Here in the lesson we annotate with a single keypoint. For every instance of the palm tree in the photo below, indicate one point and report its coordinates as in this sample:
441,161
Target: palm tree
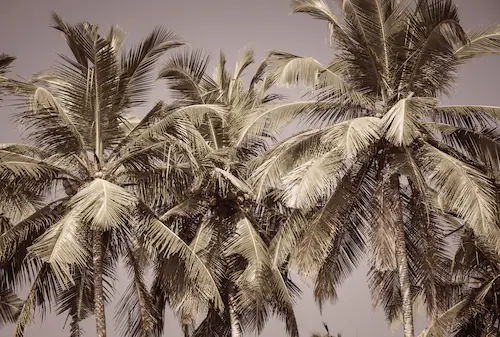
84,182
388,164
220,218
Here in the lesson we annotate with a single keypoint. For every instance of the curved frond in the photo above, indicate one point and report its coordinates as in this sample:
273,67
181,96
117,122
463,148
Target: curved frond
102,205
292,70
184,72
168,243
401,123
62,246
482,42
42,291
137,65
465,190
10,304
136,314
311,181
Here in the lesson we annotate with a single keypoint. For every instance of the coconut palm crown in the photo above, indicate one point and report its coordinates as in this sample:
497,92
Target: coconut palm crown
81,190
387,167
221,218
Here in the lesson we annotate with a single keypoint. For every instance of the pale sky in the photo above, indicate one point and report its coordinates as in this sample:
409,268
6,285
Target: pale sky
228,25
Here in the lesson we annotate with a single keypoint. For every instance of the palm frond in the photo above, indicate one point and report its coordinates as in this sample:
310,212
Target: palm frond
434,35
102,205
42,291
329,222
136,78
168,243
481,146
271,118
483,42
10,304
292,70
467,116
5,62
320,10
401,123
136,314
184,72
77,300
311,181
468,192
62,246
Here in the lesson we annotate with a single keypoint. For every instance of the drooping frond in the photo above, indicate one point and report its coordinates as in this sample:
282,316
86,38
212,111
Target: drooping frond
463,189
62,246
292,70
327,227
168,243
9,306
482,42
481,145
319,9
42,291
248,243
434,34
17,268
136,314
467,116
102,205
401,123
77,300
311,181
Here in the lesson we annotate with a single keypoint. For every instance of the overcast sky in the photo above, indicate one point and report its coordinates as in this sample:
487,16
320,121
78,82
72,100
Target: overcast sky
227,25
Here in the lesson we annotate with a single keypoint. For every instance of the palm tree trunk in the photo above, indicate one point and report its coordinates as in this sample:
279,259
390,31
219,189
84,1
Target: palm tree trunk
185,330
100,317
402,262
235,324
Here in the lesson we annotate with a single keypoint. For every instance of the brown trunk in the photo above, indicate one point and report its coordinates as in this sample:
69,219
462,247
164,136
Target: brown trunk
402,262
235,325
185,329
100,316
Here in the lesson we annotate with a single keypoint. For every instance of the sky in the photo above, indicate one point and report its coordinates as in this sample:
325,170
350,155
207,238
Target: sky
230,26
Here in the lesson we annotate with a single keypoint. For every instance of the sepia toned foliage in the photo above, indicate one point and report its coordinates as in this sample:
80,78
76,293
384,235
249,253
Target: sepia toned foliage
200,193
389,169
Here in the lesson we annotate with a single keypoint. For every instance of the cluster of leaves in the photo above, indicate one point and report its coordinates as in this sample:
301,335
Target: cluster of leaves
193,192
168,192
392,171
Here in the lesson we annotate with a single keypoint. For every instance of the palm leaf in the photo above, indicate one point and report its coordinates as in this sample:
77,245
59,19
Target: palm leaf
468,192
167,243
136,314
9,306
401,123
136,79
292,70
482,42
309,182
43,289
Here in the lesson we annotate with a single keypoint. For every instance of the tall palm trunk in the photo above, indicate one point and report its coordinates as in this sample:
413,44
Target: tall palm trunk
100,317
186,330
402,261
235,324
